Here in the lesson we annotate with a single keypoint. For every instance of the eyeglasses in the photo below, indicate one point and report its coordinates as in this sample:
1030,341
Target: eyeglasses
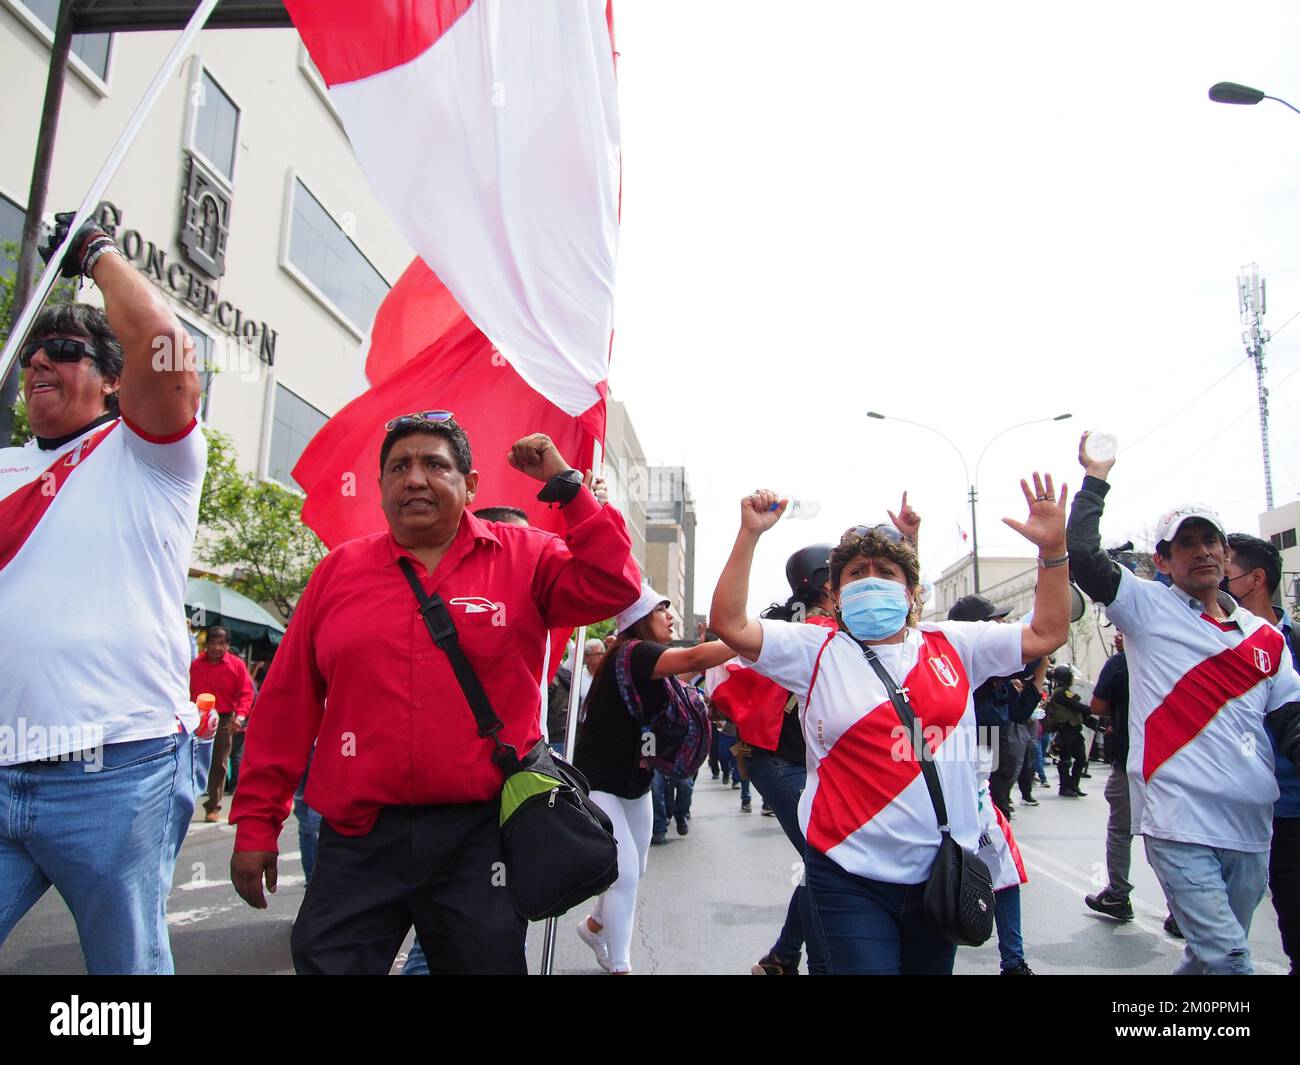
887,532
57,349
427,417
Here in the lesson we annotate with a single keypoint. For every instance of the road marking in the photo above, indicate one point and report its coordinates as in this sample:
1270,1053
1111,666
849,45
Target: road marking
1075,881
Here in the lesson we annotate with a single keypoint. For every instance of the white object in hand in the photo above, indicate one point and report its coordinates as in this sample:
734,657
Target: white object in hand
1100,447
802,508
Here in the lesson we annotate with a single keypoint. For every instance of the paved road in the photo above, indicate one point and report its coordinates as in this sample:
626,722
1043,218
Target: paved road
712,902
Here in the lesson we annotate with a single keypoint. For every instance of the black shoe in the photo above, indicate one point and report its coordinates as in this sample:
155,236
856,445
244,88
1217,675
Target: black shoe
1019,970
735,785
658,839
682,826
770,965
1110,905
1067,792
1171,926
1086,775
745,808
1080,794
1028,800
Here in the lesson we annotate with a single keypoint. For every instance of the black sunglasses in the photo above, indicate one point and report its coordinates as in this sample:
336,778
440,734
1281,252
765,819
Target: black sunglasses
428,417
887,532
58,349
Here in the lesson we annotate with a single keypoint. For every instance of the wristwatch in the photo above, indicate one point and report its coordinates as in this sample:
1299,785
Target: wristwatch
561,488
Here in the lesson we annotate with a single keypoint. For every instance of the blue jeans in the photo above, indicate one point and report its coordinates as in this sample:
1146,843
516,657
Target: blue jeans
780,783
107,840
1212,894
308,825
1006,912
416,963
670,798
868,927
1040,757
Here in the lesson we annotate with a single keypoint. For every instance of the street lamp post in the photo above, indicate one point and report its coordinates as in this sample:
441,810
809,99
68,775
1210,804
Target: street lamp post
973,494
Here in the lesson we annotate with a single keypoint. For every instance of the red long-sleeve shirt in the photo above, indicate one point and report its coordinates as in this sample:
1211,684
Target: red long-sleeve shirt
227,679
358,674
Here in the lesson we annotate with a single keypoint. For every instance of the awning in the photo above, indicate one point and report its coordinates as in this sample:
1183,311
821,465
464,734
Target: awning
208,603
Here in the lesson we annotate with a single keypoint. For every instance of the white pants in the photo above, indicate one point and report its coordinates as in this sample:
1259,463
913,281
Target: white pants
616,908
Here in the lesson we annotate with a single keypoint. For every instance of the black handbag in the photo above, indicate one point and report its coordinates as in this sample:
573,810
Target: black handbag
559,846
958,897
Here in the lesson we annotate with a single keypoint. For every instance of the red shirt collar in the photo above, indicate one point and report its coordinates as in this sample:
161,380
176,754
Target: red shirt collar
471,530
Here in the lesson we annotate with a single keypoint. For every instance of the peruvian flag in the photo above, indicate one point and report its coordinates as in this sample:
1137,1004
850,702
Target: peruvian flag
489,132
748,699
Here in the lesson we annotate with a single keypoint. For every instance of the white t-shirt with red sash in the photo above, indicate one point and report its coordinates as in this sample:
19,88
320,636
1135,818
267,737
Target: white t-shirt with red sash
95,544
1200,765
865,805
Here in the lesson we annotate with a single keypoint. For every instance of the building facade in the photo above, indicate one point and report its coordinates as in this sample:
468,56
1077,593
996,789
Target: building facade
240,200
670,543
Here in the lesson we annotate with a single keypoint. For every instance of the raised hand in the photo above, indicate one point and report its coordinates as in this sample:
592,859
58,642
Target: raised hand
907,521
756,513
1045,526
537,457
1093,468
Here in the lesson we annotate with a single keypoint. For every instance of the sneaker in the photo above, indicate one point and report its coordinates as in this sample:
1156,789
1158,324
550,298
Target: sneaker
735,785
767,811
597,942
746,808
1110,905
658,839
770,965
211,817
1019,970
1028,800
1171,926
682,826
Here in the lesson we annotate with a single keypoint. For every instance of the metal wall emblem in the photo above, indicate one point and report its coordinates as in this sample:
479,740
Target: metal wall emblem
205,220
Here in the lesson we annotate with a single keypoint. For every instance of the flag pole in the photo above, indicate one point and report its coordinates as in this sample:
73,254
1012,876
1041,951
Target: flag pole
570,738
100,185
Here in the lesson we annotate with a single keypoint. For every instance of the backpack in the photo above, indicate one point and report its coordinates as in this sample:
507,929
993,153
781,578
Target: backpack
681,730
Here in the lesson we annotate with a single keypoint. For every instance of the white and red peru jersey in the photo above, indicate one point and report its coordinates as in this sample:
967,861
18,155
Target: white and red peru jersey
1200,766
865,805
95,543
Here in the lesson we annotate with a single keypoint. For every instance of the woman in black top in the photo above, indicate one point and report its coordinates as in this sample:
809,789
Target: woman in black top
609,753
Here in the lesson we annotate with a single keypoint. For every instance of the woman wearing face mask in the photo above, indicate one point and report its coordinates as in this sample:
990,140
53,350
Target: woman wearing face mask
866,815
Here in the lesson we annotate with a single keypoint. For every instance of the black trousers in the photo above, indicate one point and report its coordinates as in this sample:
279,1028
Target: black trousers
1069,741
1284,884
437,867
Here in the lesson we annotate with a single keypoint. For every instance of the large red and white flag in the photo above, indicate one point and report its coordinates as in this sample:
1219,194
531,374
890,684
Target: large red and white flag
489,132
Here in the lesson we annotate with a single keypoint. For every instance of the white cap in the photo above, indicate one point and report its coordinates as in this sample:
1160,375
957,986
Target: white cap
643,607
1167,525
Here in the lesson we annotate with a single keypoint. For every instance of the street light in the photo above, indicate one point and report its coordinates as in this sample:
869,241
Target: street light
974,531
1229,92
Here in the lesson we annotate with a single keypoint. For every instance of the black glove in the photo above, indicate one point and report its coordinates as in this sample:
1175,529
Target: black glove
88,236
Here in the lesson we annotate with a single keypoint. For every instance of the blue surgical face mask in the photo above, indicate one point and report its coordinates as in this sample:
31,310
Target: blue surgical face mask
874,608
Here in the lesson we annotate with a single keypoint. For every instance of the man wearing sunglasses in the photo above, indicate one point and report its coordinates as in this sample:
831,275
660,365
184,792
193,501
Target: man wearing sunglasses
1208,683
402,777
97,521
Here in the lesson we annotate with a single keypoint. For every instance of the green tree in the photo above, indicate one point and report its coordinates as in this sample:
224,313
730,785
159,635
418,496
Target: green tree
255,528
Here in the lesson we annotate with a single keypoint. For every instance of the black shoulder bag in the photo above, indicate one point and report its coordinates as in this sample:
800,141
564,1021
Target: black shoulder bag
559,846
958,897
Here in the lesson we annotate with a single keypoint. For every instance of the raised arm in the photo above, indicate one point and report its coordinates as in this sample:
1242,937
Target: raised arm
1045,528
729,615
1093,570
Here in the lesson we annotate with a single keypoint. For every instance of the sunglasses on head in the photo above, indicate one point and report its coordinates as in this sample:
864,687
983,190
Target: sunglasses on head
887,532
427,417
57,349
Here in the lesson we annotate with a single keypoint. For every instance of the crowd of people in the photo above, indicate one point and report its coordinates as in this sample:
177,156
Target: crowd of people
872,738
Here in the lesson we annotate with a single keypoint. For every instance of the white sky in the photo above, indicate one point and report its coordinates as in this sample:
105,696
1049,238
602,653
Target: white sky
966,215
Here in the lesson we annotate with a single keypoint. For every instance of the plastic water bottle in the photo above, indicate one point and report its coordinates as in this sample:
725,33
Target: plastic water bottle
1100,447
800,509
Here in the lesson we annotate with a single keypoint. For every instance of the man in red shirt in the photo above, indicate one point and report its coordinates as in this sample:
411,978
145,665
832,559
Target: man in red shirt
406,786
225,676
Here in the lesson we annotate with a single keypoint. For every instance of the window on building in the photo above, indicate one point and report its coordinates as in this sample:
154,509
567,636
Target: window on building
216,125
325,255
91,48
204,352
296,422
1288,539
11,235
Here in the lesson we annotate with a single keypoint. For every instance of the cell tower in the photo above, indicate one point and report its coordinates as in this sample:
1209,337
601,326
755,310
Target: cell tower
1252,301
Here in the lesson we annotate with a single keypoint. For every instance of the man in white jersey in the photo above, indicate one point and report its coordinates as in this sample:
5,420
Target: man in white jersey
97,522
1208,681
